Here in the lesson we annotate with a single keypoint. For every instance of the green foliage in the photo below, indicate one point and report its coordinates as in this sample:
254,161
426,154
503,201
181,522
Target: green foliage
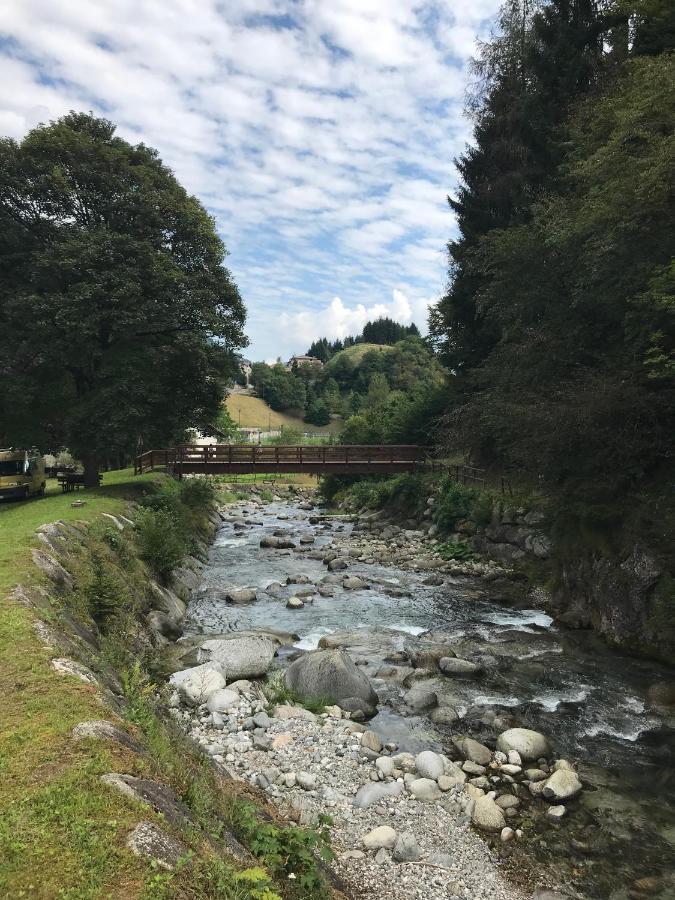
104,592
457,501
288,437
460,550
288,851
277,692
560,315
117,274
161,540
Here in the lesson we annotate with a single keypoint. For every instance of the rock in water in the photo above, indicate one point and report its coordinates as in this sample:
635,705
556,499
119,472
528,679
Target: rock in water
384,836
487,815
406,848
562,785
294,603
474,751
450,666
241,657
329,674
529,744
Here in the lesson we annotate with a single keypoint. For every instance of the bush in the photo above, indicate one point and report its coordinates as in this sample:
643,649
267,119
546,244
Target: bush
457,501
161,540
196,493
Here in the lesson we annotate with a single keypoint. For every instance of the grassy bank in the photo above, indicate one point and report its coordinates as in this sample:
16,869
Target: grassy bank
62,833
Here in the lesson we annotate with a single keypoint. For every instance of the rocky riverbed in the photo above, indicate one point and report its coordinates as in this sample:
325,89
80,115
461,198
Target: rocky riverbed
434,683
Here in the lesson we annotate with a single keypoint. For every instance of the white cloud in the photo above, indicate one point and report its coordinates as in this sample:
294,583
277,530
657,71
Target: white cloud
320,135
295,331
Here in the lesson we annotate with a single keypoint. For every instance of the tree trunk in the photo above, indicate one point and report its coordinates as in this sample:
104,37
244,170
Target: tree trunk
91,467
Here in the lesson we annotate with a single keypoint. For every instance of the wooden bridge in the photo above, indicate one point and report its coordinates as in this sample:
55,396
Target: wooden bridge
327,459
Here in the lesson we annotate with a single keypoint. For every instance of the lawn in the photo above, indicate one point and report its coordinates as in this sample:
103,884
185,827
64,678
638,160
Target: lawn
19,519
252,412
61,833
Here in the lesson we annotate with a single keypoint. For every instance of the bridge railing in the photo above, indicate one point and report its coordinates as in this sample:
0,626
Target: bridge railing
222,456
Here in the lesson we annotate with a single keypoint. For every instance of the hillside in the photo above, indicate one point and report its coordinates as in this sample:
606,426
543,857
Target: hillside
355,354
255,413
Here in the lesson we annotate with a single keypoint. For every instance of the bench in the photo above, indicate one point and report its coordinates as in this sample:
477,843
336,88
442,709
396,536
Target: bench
71,481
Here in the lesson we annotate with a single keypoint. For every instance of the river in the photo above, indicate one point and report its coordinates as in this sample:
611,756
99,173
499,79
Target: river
591,701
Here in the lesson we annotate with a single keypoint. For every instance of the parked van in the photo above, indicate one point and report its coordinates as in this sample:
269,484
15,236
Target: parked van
22,473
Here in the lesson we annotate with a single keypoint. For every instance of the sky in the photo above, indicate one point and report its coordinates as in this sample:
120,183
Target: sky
320,134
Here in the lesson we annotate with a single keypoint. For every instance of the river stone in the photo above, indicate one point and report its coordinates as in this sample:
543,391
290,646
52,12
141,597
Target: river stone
338,565
424,789
429,764
353,583
474,751
562,785
444,715
287,711
529,744
450,666
383,836
404,761
329,674
358,708
198,686
385,766
556,813
241,596
406,848
222,700
487,815
372,793
507,801
371,741
307,781
241,657
153,843
419,699
295,603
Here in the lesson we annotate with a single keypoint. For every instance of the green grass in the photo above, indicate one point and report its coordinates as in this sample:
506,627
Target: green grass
19,519
63,833
249,411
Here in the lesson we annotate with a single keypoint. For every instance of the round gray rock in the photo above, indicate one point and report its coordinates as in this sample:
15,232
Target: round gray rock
529,744
329,674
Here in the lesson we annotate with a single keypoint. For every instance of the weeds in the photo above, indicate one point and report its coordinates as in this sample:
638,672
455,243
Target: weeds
461,550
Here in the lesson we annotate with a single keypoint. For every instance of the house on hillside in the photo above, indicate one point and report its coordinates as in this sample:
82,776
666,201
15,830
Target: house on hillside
312,361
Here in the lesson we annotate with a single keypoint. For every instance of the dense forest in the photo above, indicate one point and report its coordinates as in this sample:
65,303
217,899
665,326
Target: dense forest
559,320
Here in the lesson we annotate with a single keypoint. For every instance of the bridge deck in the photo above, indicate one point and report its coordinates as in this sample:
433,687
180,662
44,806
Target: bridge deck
343,459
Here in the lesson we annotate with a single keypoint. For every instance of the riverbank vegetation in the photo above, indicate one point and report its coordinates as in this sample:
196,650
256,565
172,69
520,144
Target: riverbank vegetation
61,831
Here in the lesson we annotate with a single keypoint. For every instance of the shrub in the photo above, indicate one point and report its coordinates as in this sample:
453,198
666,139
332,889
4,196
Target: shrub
104,592
161,540
196,493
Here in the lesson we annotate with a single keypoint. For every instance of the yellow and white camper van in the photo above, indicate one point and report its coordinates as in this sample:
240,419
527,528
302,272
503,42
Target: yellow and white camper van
22,473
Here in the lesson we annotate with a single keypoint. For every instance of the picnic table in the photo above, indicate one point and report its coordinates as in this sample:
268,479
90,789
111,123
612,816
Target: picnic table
71,481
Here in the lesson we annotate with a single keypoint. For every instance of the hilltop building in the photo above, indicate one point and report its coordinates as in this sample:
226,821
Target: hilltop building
312,361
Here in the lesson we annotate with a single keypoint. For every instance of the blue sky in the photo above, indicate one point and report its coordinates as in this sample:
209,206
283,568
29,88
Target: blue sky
319,133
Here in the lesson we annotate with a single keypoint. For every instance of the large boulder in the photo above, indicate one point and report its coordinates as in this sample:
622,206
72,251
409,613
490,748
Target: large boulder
529,744
329,674
196,685
240,657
